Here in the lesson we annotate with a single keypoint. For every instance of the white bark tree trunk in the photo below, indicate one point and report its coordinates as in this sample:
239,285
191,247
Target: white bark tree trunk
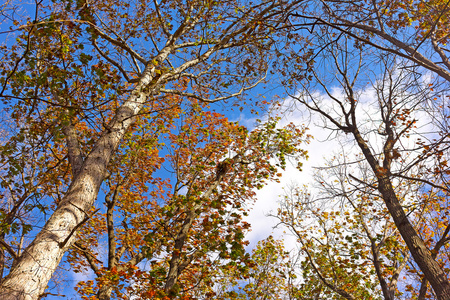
30,276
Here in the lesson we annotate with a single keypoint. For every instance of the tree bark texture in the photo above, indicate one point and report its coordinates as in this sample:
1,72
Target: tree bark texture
421,254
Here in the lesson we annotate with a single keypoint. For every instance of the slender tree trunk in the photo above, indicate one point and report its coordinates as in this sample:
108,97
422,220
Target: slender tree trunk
175,263
387,292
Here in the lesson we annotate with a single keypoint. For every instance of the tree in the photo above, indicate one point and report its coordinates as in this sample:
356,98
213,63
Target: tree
349,249
74,81
270,275
190,231
392,161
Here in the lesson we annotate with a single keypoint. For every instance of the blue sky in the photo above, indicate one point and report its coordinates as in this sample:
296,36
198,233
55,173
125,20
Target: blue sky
267,198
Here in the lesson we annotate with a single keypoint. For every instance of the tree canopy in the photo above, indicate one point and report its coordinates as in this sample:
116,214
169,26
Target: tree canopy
120,153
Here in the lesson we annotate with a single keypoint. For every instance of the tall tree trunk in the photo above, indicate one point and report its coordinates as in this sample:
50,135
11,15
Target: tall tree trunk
30,276
421,254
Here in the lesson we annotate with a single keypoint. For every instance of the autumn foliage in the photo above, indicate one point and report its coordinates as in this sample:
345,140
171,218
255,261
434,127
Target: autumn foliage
121,156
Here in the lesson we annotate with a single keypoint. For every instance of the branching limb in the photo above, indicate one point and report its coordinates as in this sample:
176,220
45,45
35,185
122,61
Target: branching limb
207,100
114,63
9,249
92,260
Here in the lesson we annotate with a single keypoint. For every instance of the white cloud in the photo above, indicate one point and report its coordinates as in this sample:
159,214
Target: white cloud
268,197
